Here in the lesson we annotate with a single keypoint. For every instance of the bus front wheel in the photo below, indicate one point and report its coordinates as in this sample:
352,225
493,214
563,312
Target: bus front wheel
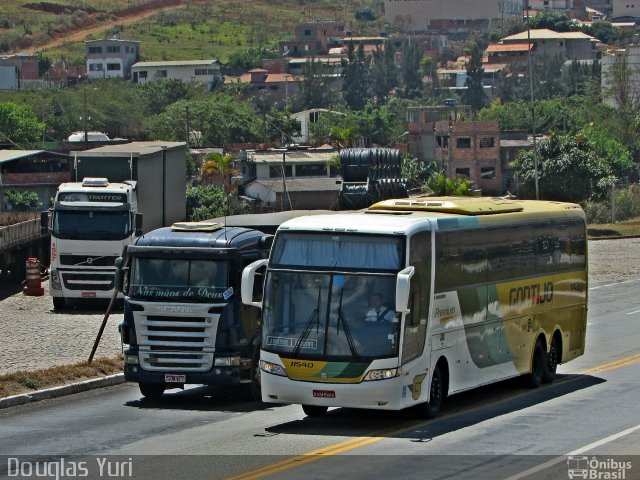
314,410
152,391
59,303
436,395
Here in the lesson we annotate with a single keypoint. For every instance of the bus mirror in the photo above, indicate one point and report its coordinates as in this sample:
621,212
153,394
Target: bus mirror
248,279
403,286
266,241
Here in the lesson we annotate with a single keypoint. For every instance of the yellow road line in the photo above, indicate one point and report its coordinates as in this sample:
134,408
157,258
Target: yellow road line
607,367
324,452
374,437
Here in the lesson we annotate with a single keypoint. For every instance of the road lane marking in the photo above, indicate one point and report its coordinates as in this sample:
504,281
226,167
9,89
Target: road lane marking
374,437
321,453
579,451
633,313
607,367
613,284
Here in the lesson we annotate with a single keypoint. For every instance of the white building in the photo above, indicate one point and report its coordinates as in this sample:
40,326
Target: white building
629,60
206,72
416,15
626,8
306,119
111,58
8,77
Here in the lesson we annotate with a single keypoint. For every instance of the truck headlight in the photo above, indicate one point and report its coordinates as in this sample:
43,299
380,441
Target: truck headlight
383,374
54,280
131,360
272,368
227,362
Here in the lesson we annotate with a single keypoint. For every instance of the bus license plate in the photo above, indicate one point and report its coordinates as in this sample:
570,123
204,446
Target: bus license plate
324,394
169,378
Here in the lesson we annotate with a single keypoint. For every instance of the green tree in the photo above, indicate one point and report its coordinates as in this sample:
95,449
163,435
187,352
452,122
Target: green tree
21,201
210,201
317,89
474,94
159,94
18,125
570,168
439,185
250,57
356,75
384,72
410,71
552,19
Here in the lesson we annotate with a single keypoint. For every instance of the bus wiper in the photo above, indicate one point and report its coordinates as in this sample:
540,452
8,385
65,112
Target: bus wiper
315,315
347,331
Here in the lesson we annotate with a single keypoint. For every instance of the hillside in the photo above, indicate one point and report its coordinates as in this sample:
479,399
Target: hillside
168,29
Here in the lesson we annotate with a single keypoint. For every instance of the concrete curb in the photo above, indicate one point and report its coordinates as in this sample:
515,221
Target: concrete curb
61,391
614,238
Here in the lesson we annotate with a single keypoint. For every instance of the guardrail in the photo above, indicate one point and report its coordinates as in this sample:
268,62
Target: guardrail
19,233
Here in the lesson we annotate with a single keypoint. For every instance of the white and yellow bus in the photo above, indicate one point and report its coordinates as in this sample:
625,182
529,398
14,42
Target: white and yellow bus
470,291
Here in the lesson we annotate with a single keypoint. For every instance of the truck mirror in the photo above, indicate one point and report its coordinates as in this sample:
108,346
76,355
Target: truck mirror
118,279
44,222
138,224
266,241
248,279
403,286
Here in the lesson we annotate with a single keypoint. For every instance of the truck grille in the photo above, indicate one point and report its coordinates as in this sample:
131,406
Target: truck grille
89,260
88,281
176,343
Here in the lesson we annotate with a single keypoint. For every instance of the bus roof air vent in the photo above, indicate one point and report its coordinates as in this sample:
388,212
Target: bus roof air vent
456,205
196,227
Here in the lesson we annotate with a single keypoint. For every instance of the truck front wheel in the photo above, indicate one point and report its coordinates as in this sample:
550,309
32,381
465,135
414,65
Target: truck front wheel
152,391
59,303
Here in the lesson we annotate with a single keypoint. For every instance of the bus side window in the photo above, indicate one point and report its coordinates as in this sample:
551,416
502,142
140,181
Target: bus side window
415,328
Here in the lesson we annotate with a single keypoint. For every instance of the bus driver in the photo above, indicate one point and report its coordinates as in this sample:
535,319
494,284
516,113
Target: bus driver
378,312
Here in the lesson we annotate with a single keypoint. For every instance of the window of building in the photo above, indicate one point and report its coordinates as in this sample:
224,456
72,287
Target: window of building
95,49
464,142
211,71
161,74
275,171
113,49
487,142
463,172
201,71
443,142
95,67
307,33
142,74
311,170
487,173
113,66
126,48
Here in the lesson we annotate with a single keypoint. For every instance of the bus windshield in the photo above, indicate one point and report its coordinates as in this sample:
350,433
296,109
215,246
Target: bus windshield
91,225
182,280
330,315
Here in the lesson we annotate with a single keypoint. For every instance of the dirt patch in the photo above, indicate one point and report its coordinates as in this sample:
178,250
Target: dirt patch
29,381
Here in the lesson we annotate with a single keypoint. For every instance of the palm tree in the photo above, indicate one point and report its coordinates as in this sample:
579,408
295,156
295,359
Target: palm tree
218,169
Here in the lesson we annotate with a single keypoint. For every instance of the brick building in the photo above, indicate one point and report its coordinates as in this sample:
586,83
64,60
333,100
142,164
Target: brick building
471,150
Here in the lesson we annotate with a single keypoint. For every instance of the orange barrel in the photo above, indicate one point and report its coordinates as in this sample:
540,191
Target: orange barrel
33,285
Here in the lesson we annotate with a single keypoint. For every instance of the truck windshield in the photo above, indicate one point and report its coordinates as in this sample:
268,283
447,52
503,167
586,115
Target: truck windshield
91,225
330,315
182,280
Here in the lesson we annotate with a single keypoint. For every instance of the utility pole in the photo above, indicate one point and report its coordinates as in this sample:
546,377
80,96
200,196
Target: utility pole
533,111
86,125
188,126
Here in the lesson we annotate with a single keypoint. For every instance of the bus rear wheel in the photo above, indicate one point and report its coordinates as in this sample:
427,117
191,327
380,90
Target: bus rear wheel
553,359
152,391
534,379
314,410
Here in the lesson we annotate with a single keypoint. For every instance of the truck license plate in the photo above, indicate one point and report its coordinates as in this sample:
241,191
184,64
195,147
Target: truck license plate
88,294
170,378
324,394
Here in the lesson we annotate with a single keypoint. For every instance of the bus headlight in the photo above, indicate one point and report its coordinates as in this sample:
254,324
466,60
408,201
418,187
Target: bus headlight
381,374
131,359
272,368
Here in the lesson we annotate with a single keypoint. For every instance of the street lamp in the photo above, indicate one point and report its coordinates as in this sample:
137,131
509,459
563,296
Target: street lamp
533,114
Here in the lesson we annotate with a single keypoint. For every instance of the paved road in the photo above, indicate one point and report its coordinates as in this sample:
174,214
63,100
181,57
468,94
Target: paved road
501,431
